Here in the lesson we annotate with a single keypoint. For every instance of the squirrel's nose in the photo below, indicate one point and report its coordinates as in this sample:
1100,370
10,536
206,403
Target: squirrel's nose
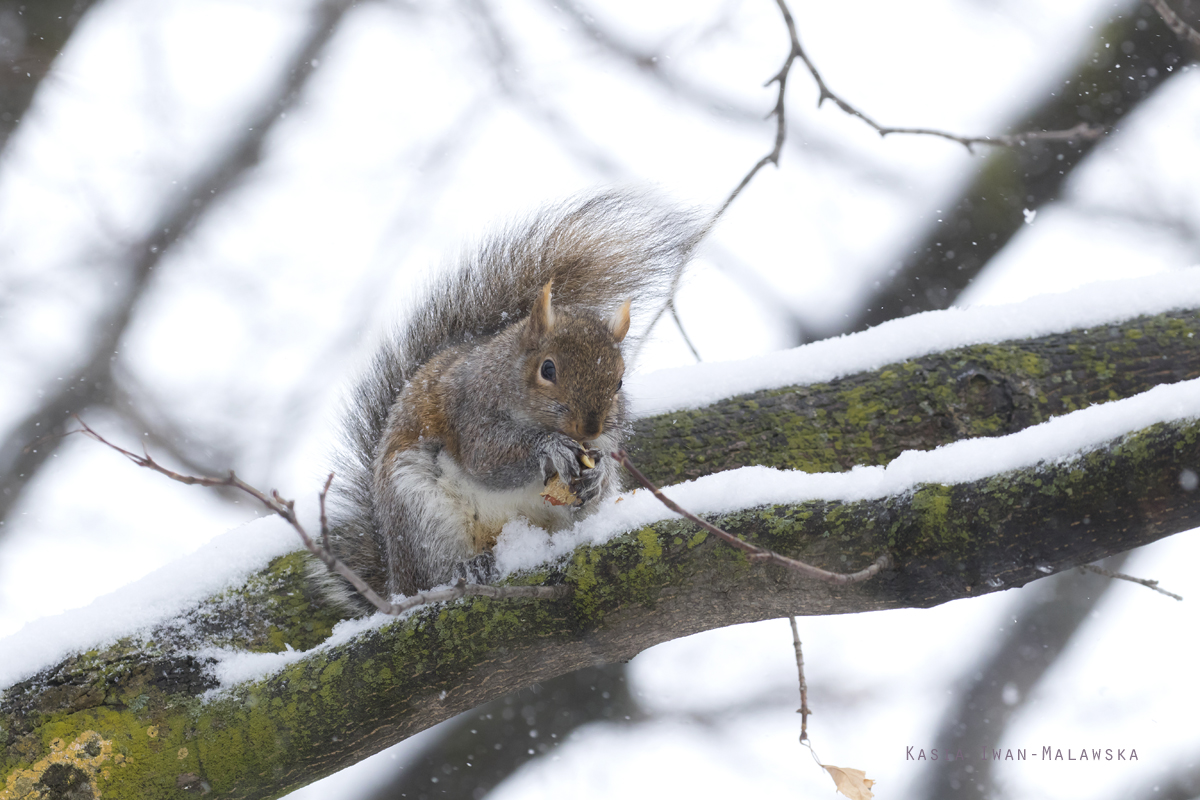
592,426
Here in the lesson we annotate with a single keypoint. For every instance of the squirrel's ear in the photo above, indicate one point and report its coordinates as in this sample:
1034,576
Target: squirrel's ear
541,316
618,323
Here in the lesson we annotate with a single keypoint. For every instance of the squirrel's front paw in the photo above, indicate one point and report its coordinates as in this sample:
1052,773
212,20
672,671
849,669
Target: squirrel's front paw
480,569
561,457
589,483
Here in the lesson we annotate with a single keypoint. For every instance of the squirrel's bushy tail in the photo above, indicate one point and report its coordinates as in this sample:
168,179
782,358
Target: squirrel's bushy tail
599,250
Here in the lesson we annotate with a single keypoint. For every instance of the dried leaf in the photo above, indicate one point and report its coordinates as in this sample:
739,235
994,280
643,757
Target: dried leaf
853,783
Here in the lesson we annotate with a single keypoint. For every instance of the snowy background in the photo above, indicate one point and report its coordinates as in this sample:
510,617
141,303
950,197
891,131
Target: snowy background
424,123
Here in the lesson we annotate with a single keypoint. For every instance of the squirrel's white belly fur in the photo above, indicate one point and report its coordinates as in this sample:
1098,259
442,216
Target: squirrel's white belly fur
484,511
435,486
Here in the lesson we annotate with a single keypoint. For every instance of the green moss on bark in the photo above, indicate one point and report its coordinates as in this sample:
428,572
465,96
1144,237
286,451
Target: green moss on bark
870,418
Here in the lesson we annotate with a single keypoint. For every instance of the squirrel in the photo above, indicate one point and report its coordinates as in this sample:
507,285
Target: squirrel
507,374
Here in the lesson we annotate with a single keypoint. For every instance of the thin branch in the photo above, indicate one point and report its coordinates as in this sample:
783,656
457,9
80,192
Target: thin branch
287,510
803,710
1149,584
755,552
1181,28
650,63
132,400
274,503
1083,130
679,324
779,111
324,519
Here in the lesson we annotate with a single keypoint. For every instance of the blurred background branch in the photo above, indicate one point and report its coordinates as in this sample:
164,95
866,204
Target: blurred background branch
31,37
92,381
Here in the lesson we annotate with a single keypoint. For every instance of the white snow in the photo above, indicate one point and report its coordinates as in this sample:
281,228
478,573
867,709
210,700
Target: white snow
915,336
229,559
237,666
224,562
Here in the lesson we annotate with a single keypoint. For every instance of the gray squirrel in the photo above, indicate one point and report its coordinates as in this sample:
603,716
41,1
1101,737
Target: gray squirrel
506,375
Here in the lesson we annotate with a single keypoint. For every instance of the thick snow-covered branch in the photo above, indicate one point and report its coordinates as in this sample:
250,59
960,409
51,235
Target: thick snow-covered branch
870,414
246,694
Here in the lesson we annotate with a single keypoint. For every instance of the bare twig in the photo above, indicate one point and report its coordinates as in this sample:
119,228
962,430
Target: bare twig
287,510
803,710
755,552
656,67
1108,573
1181,28
779,111
1081,131
132,400
324,520
679,324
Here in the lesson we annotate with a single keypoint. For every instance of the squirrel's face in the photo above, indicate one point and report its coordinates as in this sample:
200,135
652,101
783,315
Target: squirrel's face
574,368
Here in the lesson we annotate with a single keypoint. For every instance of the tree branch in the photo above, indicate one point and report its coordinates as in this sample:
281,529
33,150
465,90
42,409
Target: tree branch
338,704
872,417
1081,131
663,581
34,34
1149,584
1181,28
779,112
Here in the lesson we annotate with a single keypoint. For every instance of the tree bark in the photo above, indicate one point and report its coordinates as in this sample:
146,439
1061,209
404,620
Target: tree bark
130,721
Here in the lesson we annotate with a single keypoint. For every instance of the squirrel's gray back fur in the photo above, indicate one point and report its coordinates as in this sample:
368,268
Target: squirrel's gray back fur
599,250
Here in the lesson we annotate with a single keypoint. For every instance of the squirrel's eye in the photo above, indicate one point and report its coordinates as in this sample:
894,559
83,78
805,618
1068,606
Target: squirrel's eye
548,371
619,384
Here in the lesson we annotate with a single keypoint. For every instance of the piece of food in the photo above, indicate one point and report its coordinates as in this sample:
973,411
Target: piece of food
558,493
